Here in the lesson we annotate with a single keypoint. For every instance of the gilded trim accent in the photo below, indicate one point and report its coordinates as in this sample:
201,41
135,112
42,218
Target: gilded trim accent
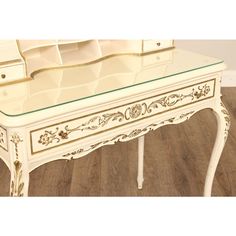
227,120
125,137
2,140
94,123
132,112
135,111
10,63
202,91
17,185
167,102
16,81
48,137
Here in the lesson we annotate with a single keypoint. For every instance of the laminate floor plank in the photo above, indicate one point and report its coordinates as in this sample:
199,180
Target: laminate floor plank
86,178
4,179
54,179
115,176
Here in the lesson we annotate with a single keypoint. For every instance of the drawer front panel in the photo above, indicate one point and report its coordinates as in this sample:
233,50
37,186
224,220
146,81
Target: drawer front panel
152,45
64,132
11,73
3,138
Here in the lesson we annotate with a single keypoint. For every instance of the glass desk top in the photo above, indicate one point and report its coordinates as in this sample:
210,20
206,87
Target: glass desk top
57,86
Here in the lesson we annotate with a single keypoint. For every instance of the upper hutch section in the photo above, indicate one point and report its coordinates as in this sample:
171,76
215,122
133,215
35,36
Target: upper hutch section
21,59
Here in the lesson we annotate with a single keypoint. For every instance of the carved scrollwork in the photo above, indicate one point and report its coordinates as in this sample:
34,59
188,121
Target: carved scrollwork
168,101
132,112
93,124
227,120
48,137
202,91
133,134
135,111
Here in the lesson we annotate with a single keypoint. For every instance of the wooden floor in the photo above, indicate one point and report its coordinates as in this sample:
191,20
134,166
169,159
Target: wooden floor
176,160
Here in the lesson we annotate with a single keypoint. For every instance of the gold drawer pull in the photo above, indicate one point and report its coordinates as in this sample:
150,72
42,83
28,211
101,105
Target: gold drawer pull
3,76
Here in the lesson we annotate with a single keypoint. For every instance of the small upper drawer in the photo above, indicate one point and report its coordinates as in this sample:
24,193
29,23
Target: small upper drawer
153,45
11,73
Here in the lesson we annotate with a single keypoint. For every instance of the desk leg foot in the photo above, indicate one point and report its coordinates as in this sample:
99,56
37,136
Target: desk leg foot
140,178
223,123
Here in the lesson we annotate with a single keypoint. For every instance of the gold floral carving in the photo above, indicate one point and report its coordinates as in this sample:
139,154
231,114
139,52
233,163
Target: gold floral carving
48,137
227,120
202,91
93,124
3,138
17,185
131,135
133,112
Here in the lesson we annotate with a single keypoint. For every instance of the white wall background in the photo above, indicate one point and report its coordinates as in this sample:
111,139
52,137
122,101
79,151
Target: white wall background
223,49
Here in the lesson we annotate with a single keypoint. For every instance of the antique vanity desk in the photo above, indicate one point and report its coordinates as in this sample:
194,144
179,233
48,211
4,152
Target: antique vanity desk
69,111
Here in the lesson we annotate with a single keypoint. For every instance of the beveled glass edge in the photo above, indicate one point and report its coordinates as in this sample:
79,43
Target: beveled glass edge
110,91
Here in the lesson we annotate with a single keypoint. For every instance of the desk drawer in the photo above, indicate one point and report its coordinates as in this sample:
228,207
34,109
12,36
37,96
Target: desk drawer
11,73
153,45
64,131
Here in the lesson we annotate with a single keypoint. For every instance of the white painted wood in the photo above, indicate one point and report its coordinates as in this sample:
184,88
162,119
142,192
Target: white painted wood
223,121
56,133
140,178
122,115
12,73
150,45
40,54
19,59
134,130
107,138
229,78
131,94
9,51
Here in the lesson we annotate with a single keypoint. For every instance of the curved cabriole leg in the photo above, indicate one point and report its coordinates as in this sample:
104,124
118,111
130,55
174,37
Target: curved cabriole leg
140,161
223,123
19,166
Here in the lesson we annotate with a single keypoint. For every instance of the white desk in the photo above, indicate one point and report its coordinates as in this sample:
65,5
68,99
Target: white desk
69,112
